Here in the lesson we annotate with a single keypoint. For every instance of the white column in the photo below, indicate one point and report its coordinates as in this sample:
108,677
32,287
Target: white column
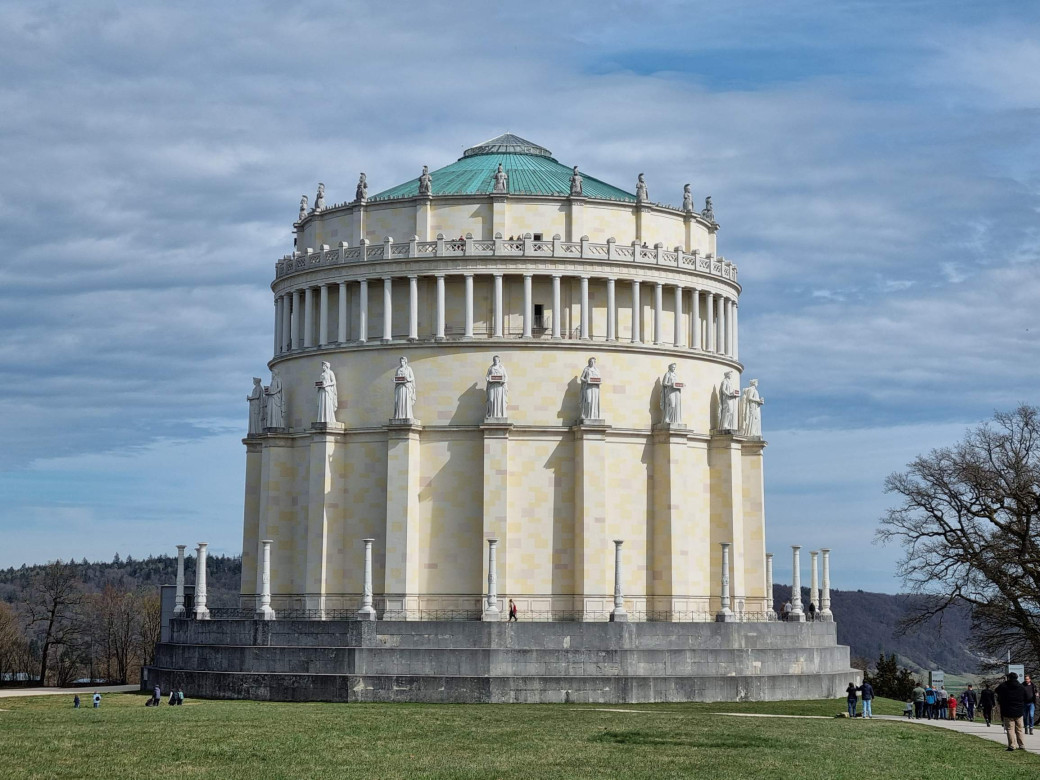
499,316
277,323
736,332
678,339
637,312
323,315
695,319
658,311
367,611
341,320
709,326
557,311
769,585
178,602
611,311
618,614
796,586
720,338
308,317
439,332
469,306
363,312
263,610
825,596
725,614
388,309
528,306
286,343
413,308
491,611
296,340
585,308
814,581
201,613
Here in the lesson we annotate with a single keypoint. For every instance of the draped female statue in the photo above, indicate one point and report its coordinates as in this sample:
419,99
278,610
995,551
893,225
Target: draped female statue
497,389
671,396
404,391
590,381
328,397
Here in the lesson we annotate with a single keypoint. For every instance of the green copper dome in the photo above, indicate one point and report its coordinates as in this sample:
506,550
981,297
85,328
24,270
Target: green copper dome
532,171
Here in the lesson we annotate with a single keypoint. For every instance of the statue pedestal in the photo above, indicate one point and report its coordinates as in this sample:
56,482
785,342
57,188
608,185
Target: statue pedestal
275,430
334,426
404,422
592,422
496,421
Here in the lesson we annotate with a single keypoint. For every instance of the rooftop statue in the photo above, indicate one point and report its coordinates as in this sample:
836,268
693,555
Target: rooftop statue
275,401
728,395
575,182
319,199
404,391
687,199
708,212
497,389
425,181
751,410
362,189
590,382
641,195
671,396
303,208
328,398
256,408
501,180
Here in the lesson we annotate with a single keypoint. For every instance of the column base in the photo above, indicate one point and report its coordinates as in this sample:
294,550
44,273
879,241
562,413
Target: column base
439,338
201,613
725,616
265,613
179,612
366,613
795,617
618,615
827,616
492,615
385,341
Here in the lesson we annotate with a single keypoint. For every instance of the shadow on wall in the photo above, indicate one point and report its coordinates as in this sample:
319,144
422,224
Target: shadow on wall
570,409
471,407
713,411
655,403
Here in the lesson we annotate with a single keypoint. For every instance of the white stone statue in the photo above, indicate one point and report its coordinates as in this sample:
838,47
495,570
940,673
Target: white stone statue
361,193
404,391
590,381
497,389
576,182
319,199
751,410
275,401
671,396
708,212
501,180
641,195
257,412
728,395
425,181
328,397
687,199
303,208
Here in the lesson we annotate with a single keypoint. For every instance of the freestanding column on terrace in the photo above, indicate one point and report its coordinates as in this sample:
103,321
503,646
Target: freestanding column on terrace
677,339
557,313
323,315
637,312
413,308
341,320
367,611
658,312
308,317
725,614
363,312
814,581
296,339
178,602
468,332
769,585
498,307
388,309
585,334
263,610
709,314
528,306
618,614
491,611
695,319
611,310
201,613
439,333
796,586
825,597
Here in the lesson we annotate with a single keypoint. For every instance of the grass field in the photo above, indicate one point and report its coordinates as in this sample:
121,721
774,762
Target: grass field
44,737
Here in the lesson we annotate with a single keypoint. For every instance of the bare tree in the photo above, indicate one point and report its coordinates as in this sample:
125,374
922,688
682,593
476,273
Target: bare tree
12,643
969,525
53,600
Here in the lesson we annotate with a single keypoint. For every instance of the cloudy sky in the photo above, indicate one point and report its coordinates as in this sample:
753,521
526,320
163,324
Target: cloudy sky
874,166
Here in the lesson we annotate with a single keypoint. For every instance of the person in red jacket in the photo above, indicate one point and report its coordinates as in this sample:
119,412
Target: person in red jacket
953,707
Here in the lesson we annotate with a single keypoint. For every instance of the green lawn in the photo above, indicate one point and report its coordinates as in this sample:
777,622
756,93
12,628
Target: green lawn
44,737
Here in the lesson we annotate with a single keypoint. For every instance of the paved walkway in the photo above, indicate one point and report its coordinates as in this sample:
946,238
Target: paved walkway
976,728
8,692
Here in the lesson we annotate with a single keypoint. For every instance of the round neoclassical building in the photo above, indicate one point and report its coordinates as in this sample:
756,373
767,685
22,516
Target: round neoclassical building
463,427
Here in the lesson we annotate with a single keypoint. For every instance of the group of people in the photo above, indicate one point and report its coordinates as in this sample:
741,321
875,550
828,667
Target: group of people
937,703
866,690
96,698
810,611
176,698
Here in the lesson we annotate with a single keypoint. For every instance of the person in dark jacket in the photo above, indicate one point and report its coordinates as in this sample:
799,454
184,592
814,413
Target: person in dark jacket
850,694
867,692
1011,696
987,700
1030,712
971,700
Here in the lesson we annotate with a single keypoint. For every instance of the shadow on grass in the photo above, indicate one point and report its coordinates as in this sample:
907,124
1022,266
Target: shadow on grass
656,738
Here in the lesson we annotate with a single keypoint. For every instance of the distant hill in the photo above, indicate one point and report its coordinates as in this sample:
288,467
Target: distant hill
868,624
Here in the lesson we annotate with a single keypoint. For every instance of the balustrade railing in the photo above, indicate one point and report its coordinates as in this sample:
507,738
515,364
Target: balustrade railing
543,616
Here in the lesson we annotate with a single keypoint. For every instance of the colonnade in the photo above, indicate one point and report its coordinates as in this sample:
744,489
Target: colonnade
295,313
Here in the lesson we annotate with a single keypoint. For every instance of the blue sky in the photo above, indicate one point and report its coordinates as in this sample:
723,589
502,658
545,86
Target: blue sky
874,166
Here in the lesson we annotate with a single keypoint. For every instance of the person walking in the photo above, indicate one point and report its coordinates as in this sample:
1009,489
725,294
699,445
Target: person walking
918,697
512,611
971,700
987,699
173,699
850,693
867,693
75,702
156,696
929,702
97,700
785,611
180,696
1030,712
1011,696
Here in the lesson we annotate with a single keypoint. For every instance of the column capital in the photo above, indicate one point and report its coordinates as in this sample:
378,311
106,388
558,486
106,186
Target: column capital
413,277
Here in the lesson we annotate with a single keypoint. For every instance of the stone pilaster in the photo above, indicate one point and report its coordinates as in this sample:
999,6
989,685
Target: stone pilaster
670,531
277,515
499,214
251,516
402,518
496,496
576,217
321,504
423,207
754,552
727,511
591,543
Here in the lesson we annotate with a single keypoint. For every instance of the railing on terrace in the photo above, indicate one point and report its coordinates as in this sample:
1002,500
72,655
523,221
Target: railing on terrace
498,247
236,613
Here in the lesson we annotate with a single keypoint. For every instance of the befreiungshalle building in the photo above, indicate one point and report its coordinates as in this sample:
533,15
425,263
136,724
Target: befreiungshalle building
502,380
